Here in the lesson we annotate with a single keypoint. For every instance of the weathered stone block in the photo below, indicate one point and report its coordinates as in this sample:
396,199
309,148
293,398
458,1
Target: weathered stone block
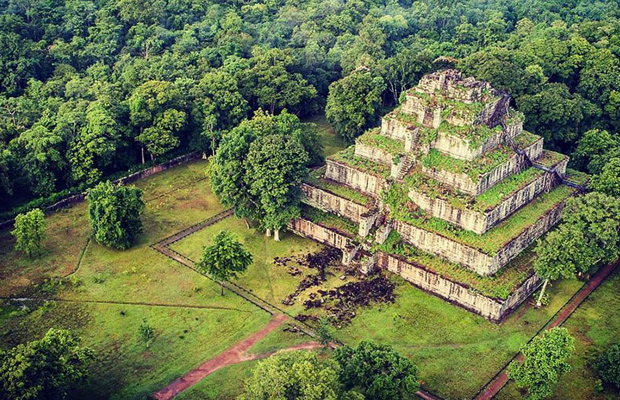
472,258
311,230
481,221
360,180
373,153
457,293
331,202
465,184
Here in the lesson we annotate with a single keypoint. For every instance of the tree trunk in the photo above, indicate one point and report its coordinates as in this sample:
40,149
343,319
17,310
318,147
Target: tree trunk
542,292
276,235
212,145
247,223
152,158
268,232
142,153
222,288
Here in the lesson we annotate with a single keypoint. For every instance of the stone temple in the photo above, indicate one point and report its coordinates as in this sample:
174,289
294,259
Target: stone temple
450,193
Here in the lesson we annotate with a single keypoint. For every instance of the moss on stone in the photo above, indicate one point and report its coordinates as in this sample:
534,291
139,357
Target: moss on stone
499,286
348,157
373,139
315,178
329,220
403,209
473,169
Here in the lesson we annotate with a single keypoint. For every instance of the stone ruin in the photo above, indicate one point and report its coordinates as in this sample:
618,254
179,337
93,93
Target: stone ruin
450,193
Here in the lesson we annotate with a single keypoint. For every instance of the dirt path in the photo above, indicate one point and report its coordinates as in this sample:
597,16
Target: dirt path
498,383
233,355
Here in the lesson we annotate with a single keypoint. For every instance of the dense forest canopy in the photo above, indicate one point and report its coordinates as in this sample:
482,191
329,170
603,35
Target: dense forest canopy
90,88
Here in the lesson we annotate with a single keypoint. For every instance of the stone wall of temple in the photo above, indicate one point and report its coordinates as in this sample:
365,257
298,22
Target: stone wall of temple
360,180
471,258
464,184
330,202
320,233
488,307
373,153
477,221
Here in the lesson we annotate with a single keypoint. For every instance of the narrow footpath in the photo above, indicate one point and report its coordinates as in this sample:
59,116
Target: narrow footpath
495,385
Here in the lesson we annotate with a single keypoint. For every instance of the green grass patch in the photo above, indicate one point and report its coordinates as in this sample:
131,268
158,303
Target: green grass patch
329,220
498,286
525,139
550,158
455,351
348,157
332,142
580,178
315,178
373,139
506,188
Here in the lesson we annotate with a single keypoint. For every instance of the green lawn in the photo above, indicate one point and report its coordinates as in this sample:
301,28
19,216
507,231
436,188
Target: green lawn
456,351
595,326
332,143
265,279
185,337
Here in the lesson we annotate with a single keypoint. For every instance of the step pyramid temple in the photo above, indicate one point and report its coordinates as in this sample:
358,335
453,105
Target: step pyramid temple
450,193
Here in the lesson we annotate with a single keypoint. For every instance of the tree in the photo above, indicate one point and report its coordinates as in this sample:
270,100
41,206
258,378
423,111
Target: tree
228,170
378,371
155,110
608,181
43,369
353,103
595,149
293,376
29,231
272,83
225,259
276,164
560,255
114,212
41,158
608,365
95,145
587,236
218,106
544,361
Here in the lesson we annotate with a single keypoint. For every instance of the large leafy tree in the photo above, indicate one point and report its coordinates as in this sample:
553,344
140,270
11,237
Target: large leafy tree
93,149
587,236
114,212
29,231
43,369
276,164
217,106
595,149
225,259
41,158
543,364
272,83
608,181
378,371
608,365
156,111
293,376
229,170
353,103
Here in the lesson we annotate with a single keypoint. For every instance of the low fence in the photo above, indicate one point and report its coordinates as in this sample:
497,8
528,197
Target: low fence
79,197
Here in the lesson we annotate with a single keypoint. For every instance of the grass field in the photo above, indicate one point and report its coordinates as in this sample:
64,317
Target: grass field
595,326
124,368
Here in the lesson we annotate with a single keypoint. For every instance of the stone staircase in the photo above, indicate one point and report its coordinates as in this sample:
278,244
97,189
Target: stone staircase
404,167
